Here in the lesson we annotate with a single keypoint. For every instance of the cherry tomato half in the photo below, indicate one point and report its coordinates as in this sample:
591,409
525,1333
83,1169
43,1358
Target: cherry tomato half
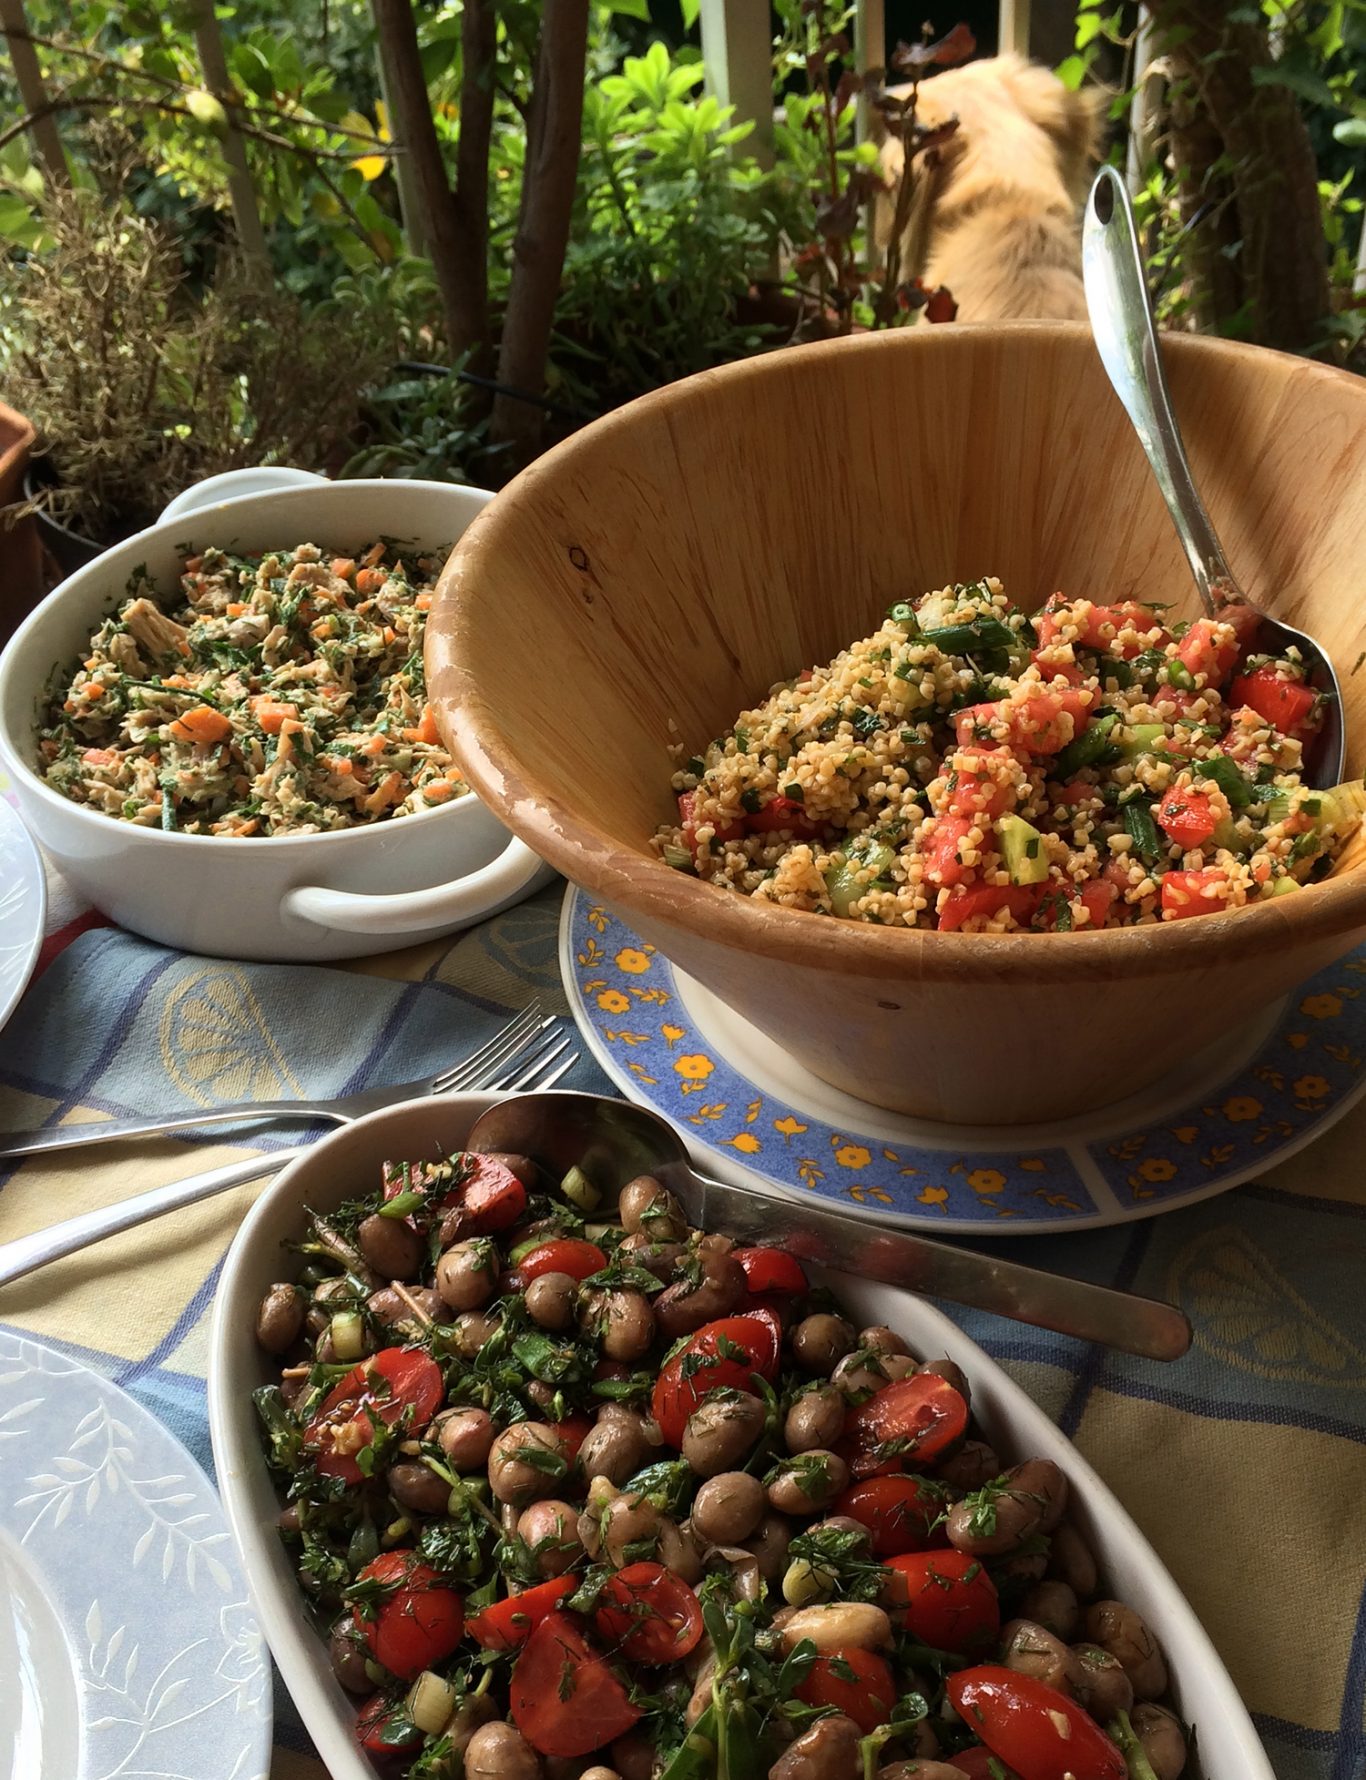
564,1254
856,1682
727,1352
507,1624
418,1619
978,1763
771,1270
1039,1731
947,1600
649,1614
898,1512
908,1423
384,1728
379,1389
565,1699
571,1434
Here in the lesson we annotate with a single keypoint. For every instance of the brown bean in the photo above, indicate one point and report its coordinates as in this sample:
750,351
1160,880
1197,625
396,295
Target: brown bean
633,1756
471,1332
816,1418
394,1249
728,1507
820,1342
475,1709
721,1431
329,1296
1019,1572
921,1770
1163,1739
1053,1606
807,1482
515,1480
952,1373
465,1436
280,1319
625,1324
879,1339
1042,1480
551,1300
550,1529
467,1274
701,1696
1033,1497
648,1208
1030,1649
742,1565
677,1551
393,1309
769,1543
615,1447
628,1521
347,1652
970,1467
839,1625
288,1520
598,1772
682,1309
500,1752
658,1258
414,1485
1101,1684
828,1751
1123,1633
294,1390
858,1375
1070,1560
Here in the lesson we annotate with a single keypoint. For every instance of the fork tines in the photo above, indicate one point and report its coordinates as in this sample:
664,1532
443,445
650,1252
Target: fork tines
508,1042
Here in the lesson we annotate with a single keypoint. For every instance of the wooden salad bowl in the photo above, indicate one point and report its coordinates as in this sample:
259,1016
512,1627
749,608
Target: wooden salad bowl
651,577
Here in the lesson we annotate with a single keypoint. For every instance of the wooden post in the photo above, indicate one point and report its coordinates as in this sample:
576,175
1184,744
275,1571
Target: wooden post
47,141
1012,31
1144,106
409,204
870,52
241,191
737,52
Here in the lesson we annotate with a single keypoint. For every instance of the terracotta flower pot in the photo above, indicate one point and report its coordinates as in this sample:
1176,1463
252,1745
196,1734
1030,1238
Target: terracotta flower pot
22,581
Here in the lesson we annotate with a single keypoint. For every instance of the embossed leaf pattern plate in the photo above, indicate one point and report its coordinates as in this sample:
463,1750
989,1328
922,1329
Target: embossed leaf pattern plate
127,1645
753,1116
23,901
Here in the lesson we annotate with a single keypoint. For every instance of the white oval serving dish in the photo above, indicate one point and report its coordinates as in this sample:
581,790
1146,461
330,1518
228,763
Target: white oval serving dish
301,897
347,1162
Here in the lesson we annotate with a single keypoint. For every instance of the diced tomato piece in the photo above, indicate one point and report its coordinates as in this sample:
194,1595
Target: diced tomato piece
1187,816
687,817
1206,651
650,1614
989,899
571,1433
949,1600
1291,705
562,1254
1075,791
1097,626
565,1697
942,864
384,1728
507,1624
418,1619
906,1424
1042,722
978,1763
378,1391
856,1682
771,1270
1098,897
491,1197
733,1349
978,794
1041,1732
1053,668
898,1511
1186,893
782,812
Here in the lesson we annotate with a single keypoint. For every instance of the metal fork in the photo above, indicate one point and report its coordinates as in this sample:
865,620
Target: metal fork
504,1045
537,1060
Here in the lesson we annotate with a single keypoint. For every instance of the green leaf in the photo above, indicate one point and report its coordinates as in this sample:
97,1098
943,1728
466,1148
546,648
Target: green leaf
632,9
1351,132
18,224
1088,28
1302,81
690,8
1072,72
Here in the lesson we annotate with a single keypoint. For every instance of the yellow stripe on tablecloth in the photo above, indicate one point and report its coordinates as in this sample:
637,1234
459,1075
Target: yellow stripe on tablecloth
1257,1523
122,1296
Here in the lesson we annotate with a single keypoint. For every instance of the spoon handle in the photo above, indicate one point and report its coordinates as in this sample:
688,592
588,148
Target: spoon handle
1122,323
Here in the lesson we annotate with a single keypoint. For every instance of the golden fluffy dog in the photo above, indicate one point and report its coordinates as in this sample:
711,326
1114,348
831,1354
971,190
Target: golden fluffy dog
999,213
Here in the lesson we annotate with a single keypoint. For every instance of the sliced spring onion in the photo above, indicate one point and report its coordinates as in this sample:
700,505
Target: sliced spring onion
678,857
401,1204
580,1191
431,1702
1179,675
965,639
347,1330
1088,750
1138,823
1225,774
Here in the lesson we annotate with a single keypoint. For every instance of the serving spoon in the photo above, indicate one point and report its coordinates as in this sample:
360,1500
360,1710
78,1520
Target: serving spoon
1122,323
613,1142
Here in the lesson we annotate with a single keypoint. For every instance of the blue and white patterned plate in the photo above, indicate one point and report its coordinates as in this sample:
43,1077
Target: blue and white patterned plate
23,902
752,1115
127,1645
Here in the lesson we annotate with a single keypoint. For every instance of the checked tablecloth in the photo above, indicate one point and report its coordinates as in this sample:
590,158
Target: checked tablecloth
1245,1463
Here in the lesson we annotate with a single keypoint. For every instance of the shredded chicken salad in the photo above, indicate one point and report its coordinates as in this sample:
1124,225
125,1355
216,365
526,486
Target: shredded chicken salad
284,696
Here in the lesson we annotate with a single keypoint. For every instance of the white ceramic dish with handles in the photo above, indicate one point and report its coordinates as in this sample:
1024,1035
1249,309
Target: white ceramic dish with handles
297,897
347,1163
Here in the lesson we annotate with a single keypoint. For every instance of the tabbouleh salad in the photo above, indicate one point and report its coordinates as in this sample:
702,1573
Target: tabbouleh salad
284,696
967,767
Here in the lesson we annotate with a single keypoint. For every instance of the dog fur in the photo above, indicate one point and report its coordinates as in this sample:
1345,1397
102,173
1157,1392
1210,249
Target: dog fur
999,210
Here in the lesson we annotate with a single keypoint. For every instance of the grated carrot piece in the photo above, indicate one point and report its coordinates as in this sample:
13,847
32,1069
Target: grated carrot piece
370,580
425,730
438,791
202,725
343,567
235,608
389,790
194,563
271,713
423,602
372,555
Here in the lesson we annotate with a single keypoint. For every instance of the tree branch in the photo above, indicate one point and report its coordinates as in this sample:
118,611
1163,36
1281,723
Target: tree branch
29,75
479,54
246,213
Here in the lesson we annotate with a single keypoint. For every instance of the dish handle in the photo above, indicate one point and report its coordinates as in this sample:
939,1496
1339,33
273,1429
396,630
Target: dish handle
232,485
469,898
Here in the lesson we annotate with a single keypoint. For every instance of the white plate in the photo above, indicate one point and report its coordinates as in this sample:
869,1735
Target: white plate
347,1162
127,1646
750,1114
23,906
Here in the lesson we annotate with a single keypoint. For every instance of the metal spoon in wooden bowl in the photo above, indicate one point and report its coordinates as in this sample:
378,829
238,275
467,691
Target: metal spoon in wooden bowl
1122,322
613,1142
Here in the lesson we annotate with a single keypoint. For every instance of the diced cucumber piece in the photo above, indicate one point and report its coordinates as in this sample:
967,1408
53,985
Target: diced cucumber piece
845,883
1143,738
1281,887
1309,804
1022,849
1344,806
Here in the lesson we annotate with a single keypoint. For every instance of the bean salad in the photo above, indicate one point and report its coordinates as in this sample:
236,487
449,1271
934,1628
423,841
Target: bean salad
576,1492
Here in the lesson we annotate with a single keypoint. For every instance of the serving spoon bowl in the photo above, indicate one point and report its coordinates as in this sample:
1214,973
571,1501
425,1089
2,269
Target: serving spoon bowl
1122,322
612,1142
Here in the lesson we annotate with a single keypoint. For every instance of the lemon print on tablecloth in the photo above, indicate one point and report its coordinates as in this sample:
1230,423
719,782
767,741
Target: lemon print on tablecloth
215,1043
1248,1316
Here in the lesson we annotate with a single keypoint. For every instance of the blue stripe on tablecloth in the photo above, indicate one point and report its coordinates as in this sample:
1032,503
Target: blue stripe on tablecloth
1093,1365
1232,1410
1351,1751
